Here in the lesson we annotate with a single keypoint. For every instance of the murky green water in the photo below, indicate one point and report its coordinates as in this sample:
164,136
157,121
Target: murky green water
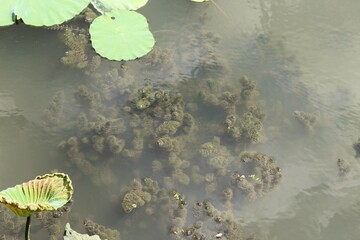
303,55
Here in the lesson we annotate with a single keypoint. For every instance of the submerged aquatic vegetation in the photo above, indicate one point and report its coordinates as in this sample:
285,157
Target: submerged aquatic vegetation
217,156
242,115
154,126
147,127
160,115
54,114
153,118
176,167
252,174
197,53
356,147
248,88
150,119
246,128
159,64
167,128
257,174
184,219
136,197
250,127
11,225
54,221
99,171
344,167
305,118
77,41
103,232
209,223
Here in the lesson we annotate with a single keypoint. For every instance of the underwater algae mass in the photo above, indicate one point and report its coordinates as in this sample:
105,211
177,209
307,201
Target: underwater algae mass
180,119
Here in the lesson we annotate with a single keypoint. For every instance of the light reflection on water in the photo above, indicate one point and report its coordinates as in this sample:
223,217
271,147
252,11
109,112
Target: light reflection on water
304,56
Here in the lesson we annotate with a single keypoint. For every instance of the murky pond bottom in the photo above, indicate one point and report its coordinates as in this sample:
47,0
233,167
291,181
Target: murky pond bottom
230,128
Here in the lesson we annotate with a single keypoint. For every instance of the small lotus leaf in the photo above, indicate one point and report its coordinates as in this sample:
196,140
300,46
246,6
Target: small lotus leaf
44,193
72,235
6,13
40,12
109,5
121,35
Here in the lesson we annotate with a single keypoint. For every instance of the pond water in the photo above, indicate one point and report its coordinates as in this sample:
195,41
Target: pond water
304,58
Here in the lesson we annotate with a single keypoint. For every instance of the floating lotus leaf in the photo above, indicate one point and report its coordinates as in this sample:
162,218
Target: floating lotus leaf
40,12
6,13
109,5
45,193
121,35
72,235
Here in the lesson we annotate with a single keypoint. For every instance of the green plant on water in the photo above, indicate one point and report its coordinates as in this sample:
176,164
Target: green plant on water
118,34
128,29
44,193
40,12
104,6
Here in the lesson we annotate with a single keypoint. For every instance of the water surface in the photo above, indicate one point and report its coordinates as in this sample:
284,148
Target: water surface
303,55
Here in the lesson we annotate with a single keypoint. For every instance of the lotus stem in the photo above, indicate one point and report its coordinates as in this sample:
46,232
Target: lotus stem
27,228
